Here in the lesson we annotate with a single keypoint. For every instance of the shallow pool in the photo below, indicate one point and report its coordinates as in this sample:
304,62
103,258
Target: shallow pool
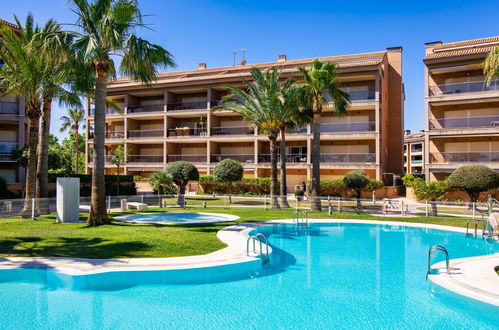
176,217
324,276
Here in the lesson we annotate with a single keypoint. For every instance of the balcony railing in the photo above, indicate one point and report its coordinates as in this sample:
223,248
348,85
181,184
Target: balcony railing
145,159
113,135
188,158
145,133
417,149
465,87
186,132
416,161
188,106
290,158
300,130
8,147
347,127
348,158
5,157
233,130
362,95
464,122
9,108
108,111
214,103
464,157
146,108
243,158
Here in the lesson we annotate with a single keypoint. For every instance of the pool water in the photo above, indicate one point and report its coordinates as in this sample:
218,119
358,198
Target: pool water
176,217
324,276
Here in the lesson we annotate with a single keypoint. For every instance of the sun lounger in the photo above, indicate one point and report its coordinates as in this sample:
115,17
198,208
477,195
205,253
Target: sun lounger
137,206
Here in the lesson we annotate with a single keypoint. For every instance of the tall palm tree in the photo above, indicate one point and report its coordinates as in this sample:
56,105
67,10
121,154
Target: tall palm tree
107,28
75,118
263,105
321,85
491,65
22,74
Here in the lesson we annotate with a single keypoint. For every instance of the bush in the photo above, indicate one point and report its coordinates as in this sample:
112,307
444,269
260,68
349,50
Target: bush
432,191
374,185
111,190
253,186
357,180
87,178
473,179
330,187
299,192
228,171
162,183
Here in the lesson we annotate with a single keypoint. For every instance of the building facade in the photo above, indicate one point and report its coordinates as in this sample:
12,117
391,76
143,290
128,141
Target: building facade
170,120
13,130
462,111
414,153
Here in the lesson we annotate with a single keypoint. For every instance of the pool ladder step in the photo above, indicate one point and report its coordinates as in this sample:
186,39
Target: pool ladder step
433,249
262,239
300,217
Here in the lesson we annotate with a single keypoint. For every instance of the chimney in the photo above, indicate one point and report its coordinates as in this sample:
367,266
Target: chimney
407,132
281,58
202,66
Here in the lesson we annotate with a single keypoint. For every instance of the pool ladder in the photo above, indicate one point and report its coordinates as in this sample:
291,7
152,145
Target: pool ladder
300,217
259,237
437,248
475,223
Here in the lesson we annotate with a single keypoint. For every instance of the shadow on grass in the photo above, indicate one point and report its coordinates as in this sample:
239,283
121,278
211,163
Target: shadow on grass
93,248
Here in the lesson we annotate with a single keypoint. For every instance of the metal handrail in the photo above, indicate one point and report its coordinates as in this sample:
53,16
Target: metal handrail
436,248
258,237
475,223
303,214
266,242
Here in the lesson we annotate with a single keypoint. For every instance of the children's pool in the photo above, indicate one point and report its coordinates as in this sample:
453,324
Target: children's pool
323,276
176,217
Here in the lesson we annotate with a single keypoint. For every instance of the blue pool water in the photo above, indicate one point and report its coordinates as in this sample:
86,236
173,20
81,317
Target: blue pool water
176,217
327,276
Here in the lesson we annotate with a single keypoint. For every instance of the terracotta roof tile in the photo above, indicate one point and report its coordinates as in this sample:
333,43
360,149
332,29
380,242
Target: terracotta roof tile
460,52
477,42
9,24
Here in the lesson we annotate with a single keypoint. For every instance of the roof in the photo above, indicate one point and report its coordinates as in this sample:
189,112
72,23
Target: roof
9,24
289,66
475,47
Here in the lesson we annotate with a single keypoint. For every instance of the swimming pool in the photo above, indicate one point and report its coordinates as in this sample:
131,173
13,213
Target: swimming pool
176,217
323,276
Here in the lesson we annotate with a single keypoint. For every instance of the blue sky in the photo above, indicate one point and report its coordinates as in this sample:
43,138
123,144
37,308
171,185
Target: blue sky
208,31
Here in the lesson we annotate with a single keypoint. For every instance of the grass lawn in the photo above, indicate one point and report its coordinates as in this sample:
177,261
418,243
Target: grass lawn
45,237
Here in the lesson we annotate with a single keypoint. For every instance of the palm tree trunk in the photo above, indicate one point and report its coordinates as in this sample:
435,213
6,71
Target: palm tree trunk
42,178
31,167
284,188
98,212
316,163
274,187
77,149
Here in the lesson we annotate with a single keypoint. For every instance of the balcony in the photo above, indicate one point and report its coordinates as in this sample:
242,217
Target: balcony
108,111
187,158
347,127
416,161
243,158
114,135
233,130
348,158
6,157
6,149
146,133
9,108
465,122
290,158
145,159
464,157
362,95
466,87
182,132
186,106
146,108
300,130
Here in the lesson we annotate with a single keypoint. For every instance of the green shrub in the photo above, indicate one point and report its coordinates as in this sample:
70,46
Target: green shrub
162,183
245,186
228,171
111,190
87,178
357,180
474,179
299,192
374,185
330,187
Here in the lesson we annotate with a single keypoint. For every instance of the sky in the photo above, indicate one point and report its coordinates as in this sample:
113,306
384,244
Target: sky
208,31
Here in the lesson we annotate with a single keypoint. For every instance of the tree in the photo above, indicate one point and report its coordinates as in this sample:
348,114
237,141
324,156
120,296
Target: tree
161,183
181,173
424,191
264,105
107,28
75,118
491,65
228,171
22,74
356,180
321,86
55,155
120,158
473,179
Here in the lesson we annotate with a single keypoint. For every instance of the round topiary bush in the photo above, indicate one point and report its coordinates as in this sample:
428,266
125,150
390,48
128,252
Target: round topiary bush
356,180
181,173
473,179
228,171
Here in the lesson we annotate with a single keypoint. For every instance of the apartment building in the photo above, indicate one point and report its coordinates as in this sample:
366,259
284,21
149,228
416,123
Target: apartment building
414,153
170,120
462,111
13,130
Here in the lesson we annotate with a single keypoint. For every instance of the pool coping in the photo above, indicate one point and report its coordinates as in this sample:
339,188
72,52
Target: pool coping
236,237
228,218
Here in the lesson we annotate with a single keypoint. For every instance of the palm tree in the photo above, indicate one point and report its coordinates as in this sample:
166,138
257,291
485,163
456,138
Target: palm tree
491,65
264,106
75,118
107,28
321,86
22,74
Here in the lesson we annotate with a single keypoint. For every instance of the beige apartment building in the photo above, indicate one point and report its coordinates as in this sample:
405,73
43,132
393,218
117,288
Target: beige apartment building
13,130
170,120
462,112
414,153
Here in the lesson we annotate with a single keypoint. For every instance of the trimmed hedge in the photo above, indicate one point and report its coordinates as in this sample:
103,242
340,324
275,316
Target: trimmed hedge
330,187
87,178
248,186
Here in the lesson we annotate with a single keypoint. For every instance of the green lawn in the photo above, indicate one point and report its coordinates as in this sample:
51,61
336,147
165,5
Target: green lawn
44,237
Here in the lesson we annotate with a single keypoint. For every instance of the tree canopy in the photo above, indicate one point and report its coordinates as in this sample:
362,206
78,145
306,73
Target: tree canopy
473,179
228,170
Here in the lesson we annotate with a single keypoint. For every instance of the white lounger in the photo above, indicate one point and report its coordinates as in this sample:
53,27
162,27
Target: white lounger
136,205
